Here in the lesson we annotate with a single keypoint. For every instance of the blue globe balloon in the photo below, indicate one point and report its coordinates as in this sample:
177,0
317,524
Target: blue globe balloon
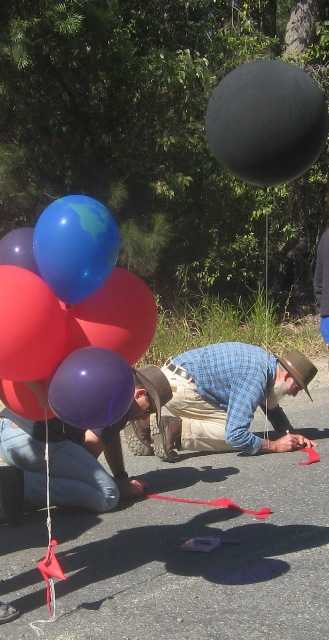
76,244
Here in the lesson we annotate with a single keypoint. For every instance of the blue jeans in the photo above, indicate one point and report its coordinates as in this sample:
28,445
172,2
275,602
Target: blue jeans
76,478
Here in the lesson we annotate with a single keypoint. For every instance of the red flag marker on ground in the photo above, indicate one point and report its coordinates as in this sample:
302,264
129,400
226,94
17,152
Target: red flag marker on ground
50,568
225,503
312,456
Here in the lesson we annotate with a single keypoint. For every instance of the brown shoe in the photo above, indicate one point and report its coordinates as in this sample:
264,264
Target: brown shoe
138,437
7,613
168,438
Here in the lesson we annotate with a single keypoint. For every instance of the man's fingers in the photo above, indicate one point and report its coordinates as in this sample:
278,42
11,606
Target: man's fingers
139,486
294,442
302,441
310,443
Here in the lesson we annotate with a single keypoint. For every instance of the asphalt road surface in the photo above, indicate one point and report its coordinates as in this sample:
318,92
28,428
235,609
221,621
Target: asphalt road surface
128,579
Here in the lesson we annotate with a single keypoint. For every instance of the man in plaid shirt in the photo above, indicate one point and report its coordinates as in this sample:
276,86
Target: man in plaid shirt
216,391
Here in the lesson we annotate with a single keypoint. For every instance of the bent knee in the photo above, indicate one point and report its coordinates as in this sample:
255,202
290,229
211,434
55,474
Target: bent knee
110,499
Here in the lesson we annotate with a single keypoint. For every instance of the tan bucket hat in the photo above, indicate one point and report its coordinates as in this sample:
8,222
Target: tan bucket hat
153,380
299,367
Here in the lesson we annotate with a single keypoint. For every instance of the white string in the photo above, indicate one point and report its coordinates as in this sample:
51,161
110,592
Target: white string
35,625
266,430
48,481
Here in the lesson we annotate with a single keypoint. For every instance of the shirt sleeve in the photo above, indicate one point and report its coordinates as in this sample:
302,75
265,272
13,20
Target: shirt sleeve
245,396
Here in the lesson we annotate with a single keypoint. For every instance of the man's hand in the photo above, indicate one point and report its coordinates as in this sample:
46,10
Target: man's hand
131,489
290,442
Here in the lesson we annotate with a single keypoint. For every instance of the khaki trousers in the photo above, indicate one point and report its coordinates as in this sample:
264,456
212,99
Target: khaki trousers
203,424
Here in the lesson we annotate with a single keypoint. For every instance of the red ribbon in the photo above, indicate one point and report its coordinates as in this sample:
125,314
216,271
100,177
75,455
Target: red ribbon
225,503
312,456
50,568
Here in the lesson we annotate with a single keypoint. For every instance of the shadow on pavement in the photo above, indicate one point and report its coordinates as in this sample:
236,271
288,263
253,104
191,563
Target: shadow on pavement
246,557
314,433
33,533
182,477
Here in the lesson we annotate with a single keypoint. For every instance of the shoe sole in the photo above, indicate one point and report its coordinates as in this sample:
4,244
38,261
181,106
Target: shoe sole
134,444
10,617
159,444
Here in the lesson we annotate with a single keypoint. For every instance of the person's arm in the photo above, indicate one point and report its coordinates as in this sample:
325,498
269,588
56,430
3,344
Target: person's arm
240,412
321,274
129,489
278,419
114,456
242,406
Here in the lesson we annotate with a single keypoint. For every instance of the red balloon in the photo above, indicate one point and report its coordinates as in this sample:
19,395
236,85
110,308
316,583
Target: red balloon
33,327
120,316
21,400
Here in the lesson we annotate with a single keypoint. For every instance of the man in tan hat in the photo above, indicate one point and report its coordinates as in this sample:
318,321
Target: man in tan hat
216,391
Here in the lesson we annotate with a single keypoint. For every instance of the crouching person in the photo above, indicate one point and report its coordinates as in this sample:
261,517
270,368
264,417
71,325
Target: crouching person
77,479
215,392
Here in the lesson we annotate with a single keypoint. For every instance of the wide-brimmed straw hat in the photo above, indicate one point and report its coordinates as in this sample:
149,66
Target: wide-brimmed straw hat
153,380
299,367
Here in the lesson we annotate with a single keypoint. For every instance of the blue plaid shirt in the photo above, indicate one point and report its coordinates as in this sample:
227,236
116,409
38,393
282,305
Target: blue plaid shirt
235,377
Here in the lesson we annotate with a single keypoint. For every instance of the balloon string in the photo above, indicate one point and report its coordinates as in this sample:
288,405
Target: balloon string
49,524
51,594
51,597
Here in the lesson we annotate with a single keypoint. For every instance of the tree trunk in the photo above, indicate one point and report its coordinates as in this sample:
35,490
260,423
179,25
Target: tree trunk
300,28
269,18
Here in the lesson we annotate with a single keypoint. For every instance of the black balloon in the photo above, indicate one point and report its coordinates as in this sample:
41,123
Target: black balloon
266,122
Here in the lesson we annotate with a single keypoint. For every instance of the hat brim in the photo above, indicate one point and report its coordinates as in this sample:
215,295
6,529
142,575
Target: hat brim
152,392
294,374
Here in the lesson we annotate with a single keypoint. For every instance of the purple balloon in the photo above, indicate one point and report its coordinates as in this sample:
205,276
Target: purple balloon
16,248
92,387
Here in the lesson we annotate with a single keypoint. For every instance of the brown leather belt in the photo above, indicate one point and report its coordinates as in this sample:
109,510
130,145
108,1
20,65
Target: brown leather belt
179,370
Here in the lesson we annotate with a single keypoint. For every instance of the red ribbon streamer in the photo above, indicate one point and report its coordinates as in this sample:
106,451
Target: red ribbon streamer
312,456
50,568
225,503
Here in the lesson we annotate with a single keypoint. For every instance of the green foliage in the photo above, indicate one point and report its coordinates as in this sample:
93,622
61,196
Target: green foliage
212,321
262,324
142,247
319,50
109,99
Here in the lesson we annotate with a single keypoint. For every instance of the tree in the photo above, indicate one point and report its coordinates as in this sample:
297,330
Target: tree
301,26
109,99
